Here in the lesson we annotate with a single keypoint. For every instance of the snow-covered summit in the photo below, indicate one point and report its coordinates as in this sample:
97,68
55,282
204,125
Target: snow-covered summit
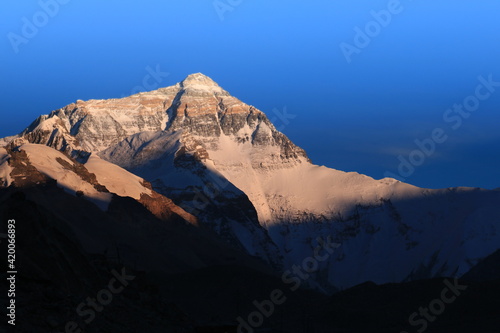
198,79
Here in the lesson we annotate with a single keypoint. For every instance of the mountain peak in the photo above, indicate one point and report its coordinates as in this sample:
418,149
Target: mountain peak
196,105
198,79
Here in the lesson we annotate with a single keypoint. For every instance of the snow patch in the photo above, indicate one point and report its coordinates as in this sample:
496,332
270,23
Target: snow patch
116,179
44,159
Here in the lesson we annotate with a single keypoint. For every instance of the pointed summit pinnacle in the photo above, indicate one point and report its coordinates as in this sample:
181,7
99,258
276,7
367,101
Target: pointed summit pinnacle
198,79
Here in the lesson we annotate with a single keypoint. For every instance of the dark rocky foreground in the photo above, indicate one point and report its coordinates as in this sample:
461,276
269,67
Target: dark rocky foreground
57,277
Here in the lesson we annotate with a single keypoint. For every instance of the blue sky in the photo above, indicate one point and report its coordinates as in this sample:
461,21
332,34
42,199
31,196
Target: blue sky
354,116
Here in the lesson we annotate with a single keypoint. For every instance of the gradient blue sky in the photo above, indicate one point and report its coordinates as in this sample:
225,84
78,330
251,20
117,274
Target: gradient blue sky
357,116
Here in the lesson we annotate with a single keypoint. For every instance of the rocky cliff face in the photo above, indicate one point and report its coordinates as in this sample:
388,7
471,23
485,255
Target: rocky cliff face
204,109
94,125
196,105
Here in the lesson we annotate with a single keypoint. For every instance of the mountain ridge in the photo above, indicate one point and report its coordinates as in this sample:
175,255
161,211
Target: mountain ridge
212,154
